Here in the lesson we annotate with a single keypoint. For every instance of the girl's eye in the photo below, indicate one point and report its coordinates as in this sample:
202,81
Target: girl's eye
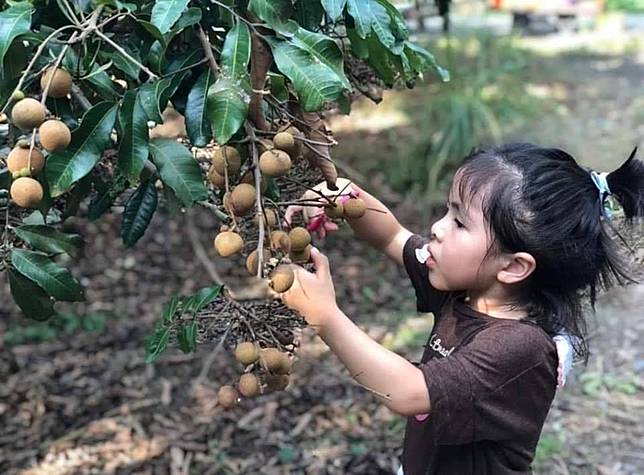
459,224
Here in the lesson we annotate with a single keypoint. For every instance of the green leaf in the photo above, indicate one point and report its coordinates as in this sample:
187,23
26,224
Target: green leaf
334,8
32,300
138,212
50,240
315,83
190,17
235,54
187,337
150,95
201,299
54,280
134,143
79,192
165,13
124,64
170,309
324,49
103,201
370,15
277,86
156,344
89,140
227,107
399,26
179,170
153,30
274,12
421,59
309,14
14,21
197,125
5,179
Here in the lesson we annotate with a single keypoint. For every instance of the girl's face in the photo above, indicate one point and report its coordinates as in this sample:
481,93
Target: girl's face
458,247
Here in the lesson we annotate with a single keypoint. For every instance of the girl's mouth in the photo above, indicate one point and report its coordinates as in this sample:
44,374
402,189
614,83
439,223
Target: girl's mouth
424,256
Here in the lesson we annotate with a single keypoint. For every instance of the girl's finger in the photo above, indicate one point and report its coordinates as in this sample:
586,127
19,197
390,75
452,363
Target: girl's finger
290,212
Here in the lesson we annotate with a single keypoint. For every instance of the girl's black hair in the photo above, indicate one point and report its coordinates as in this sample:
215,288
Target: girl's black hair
540,201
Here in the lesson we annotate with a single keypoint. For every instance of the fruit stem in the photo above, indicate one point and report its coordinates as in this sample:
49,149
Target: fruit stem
258,200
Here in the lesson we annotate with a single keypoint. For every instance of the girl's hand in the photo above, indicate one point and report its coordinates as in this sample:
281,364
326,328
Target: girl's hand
314,216
312,294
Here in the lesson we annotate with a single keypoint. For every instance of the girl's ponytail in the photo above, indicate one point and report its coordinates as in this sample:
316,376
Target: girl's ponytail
627,185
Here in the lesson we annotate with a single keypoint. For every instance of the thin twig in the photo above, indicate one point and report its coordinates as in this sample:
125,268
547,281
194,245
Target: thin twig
200,252
205,45
258,190
126,55
213,354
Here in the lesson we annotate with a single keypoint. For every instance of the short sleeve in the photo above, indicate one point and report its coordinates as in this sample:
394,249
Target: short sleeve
428,299
498,386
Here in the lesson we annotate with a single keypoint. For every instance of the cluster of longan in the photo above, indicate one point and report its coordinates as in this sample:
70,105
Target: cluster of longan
267,370
25,160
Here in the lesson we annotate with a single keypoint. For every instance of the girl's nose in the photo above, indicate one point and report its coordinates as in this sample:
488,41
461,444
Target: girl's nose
436,231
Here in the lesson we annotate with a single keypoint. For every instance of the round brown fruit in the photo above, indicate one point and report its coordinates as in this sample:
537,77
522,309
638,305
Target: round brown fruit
23,143
299,145
285,141
274,163
334,212
28,113
275,361
282,278
247,352
249,385
60,86
276,382
281,241
243,198
251,261
269,217
301,257
227,397
18,159
26,192
215,178
228,243
54,135
226,154
300,238
354,208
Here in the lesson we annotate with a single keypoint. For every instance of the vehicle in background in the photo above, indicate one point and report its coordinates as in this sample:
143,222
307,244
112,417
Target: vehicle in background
559,14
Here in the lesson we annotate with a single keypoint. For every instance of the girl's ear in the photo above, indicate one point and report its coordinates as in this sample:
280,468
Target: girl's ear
517,267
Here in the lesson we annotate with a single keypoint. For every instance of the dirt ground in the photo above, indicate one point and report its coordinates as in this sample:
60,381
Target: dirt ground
87,402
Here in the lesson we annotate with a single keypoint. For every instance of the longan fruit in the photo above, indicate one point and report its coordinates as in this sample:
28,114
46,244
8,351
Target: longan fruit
269,217
215,178
300,238
247,352
284,141
276,382
274,163
251,261
300,257
54,135
18,159
17,95
26,192
227,397
23,143
228,243
249,385
282,278
275,361
28,113
281,241
60,86
354,208
334,212
298,148
225,154
243,198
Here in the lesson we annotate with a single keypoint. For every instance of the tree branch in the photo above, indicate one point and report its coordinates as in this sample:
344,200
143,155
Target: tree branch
205,45
260,60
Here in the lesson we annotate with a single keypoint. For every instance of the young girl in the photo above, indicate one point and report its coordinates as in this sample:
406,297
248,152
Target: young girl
523,246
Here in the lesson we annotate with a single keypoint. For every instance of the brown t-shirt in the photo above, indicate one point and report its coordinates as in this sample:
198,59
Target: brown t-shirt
491,382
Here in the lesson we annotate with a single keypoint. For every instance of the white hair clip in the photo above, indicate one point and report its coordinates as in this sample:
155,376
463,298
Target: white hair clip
422,254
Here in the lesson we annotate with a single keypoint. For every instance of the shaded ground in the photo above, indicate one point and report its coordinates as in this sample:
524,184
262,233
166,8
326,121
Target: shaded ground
87,403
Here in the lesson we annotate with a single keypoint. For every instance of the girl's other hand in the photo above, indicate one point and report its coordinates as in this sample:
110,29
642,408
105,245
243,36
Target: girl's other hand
312,294
314,216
